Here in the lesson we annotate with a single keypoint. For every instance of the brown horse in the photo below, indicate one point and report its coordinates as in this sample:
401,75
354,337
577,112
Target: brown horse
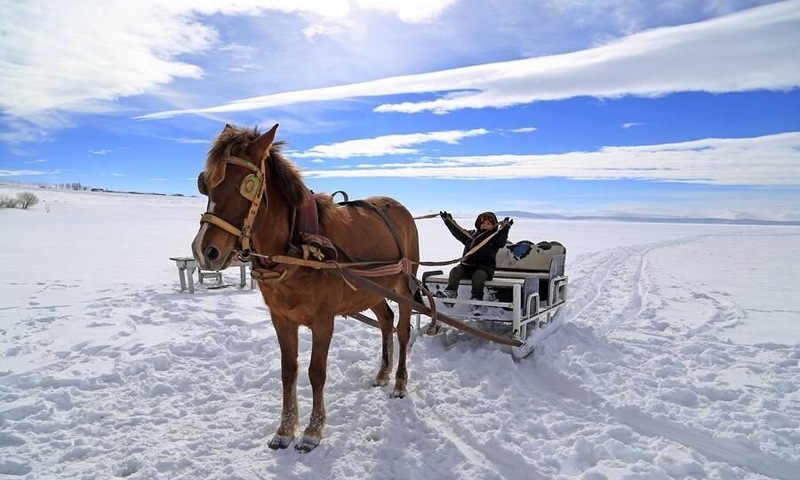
254,195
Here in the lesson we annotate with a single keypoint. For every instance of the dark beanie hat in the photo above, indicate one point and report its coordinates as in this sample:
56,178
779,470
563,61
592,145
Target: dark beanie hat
483,216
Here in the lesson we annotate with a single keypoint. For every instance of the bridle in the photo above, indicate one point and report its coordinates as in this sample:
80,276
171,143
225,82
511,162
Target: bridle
253,188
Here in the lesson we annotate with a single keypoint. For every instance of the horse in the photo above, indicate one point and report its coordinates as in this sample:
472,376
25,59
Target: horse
260,209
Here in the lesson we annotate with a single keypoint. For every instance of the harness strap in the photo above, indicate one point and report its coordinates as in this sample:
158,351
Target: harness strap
388,268
378,267
308,219
344,195
251,215
382,213
244,233
215,220
400,299
473,250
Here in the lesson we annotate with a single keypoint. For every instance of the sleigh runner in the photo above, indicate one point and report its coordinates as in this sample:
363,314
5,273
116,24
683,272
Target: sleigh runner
520,302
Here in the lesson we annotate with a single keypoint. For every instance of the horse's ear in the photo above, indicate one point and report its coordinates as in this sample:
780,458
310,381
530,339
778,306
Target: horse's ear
227,128
261,146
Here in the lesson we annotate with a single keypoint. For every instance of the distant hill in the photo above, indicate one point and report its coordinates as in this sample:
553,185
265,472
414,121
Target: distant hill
647,218
77,187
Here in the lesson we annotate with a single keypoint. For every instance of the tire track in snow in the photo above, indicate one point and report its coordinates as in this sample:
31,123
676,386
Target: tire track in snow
729,451
479,455
747,457
606,275
615,288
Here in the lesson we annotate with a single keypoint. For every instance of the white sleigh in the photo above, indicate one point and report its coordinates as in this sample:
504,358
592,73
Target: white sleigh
522,300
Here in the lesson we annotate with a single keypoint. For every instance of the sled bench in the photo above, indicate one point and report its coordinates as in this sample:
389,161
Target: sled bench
547,288
188,265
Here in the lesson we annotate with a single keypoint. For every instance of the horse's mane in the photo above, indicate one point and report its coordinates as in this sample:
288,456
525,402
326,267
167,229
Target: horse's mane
284,175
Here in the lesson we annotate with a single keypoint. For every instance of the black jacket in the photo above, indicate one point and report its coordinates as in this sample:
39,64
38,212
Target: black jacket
484,258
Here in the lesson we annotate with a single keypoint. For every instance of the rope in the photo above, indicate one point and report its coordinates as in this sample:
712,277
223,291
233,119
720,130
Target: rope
474,249
400,299
379,267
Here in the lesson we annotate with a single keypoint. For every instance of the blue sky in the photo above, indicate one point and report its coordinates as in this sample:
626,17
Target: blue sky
557,106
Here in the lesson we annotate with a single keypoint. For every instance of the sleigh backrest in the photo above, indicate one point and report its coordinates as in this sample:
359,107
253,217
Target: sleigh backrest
526,256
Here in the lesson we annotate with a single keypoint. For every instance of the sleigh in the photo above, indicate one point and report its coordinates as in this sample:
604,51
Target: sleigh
520,302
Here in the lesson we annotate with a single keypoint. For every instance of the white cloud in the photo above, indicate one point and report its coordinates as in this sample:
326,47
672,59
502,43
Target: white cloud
769,160
388,144
102,151
631,124
750,50
189,141
411,11
523,130
330,28
21,173
243,68
74,57
83,55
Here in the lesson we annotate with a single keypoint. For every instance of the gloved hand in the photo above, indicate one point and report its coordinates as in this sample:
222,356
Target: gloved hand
508,221
444,215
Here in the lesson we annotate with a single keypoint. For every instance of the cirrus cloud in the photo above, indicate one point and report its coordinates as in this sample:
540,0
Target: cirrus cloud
749,50
771,160
388,144
84,55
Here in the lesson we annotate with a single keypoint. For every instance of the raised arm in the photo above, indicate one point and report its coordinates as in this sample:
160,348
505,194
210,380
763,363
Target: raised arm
501,238
455,229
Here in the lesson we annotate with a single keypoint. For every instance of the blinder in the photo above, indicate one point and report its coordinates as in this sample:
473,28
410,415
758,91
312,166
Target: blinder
248,188
215,177
201,184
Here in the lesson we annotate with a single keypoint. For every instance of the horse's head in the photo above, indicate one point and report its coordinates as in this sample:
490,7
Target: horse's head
235,182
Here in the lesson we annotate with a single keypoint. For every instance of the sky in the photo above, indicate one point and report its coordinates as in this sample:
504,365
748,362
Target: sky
680,107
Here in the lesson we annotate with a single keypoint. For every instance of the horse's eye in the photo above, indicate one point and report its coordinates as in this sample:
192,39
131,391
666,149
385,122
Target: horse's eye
201,184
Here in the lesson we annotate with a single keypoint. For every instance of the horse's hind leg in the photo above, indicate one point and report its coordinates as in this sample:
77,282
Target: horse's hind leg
321,334
386,320
403,335
287,338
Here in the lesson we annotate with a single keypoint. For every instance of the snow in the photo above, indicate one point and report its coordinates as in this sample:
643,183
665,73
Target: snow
678,358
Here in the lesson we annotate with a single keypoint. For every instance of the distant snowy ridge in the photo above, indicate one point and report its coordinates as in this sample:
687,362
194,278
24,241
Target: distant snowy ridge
648,218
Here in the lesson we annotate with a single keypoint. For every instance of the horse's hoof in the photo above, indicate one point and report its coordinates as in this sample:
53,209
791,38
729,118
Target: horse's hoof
306,444
398,393
279,442
433,329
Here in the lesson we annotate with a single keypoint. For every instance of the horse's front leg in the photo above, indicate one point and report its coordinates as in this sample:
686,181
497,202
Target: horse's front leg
321,334
287,338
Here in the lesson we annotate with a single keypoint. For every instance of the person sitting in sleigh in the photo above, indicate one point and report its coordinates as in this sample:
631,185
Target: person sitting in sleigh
480,265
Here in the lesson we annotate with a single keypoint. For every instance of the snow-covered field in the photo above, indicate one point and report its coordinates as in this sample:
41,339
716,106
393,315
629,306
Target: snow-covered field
679,358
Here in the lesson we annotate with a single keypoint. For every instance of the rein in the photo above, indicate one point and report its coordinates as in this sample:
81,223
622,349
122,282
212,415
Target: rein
377,268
